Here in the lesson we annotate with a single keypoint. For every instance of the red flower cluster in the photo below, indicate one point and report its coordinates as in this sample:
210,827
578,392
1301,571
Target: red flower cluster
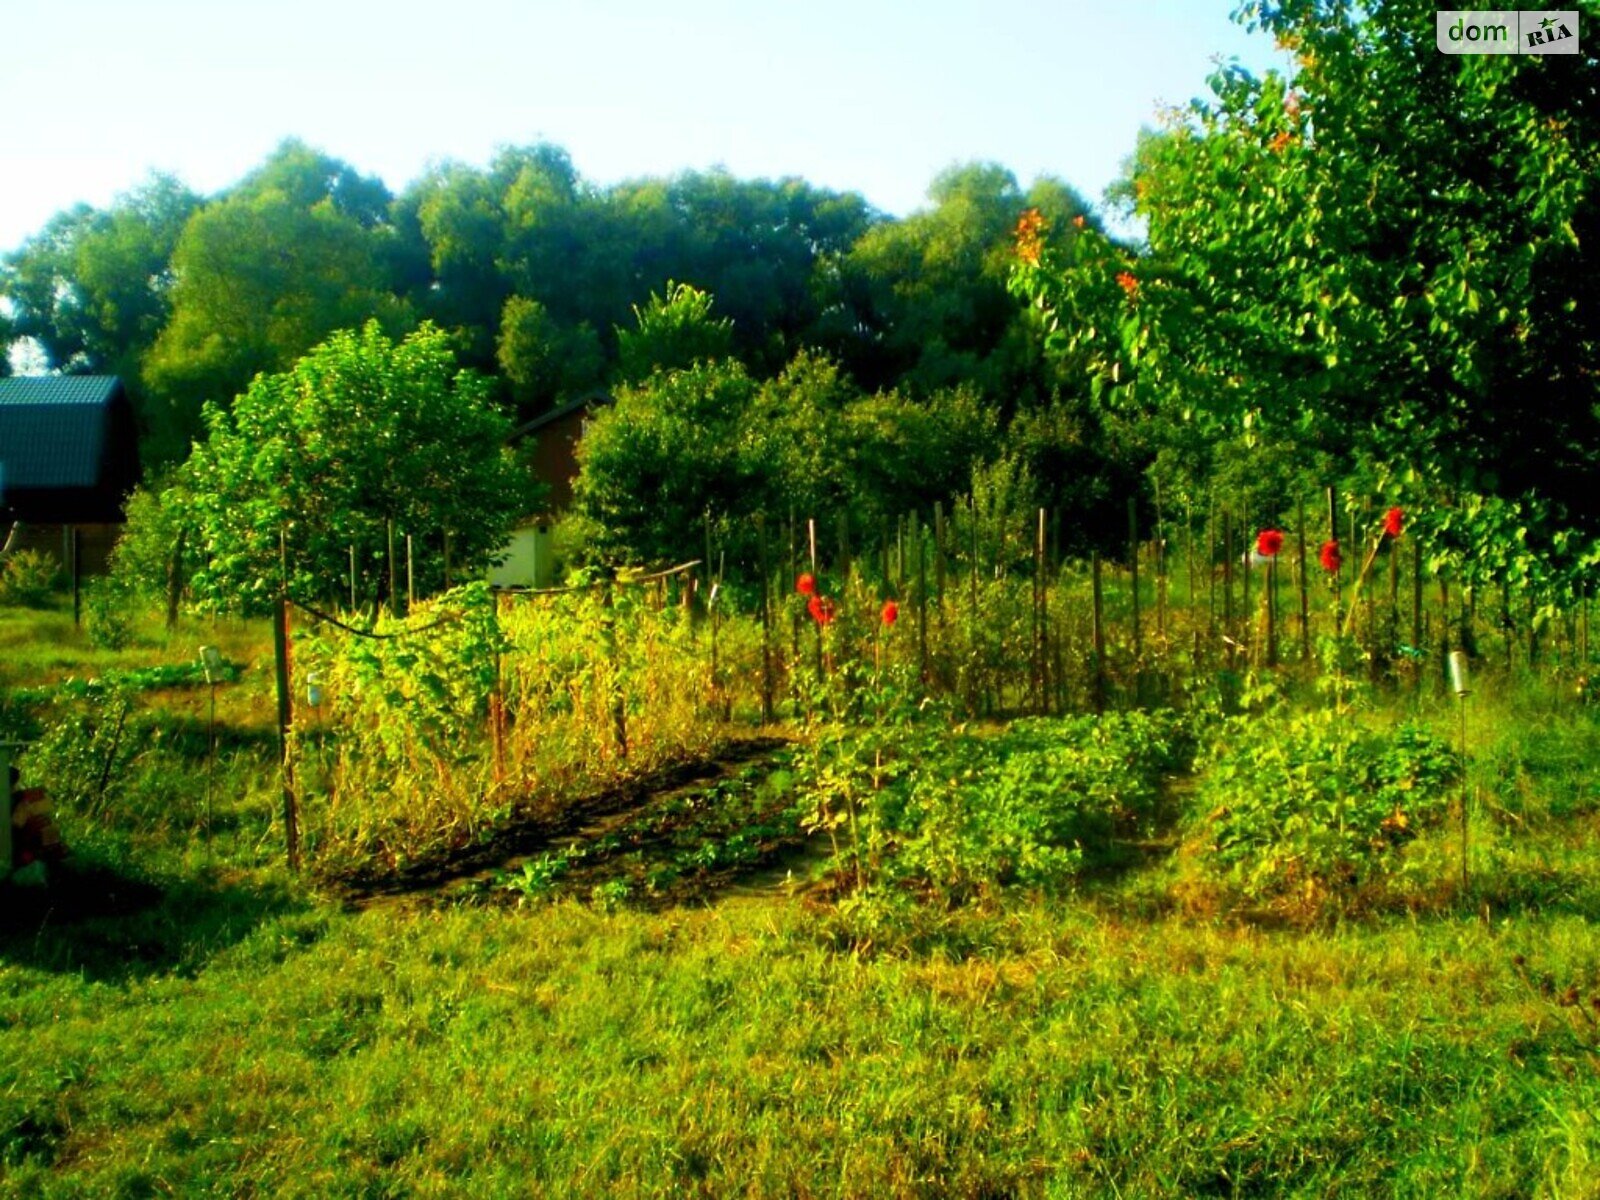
1394,521
821,610
891,612
1128,283
1268,543
1331,557
806,585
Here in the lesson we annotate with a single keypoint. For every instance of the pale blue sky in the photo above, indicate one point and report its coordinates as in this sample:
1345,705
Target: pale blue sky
851,94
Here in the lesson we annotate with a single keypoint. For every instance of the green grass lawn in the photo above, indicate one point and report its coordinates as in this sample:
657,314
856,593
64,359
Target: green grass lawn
740,1049
193,1021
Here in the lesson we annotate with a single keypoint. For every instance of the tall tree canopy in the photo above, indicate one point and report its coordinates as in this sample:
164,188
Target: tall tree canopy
92,288
258,281
1384,258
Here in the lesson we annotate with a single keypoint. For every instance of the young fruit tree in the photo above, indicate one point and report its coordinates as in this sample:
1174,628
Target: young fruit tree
311,469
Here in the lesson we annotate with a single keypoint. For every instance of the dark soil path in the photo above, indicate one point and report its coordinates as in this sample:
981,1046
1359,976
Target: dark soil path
611,835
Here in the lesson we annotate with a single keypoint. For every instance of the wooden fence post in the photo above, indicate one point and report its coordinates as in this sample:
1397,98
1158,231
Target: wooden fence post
394,570
1228,639
77,575
175,579
280,654
1305,593
766,620
1133,569
1098,632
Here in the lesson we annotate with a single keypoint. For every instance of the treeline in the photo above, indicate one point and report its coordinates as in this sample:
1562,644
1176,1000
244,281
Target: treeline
534,271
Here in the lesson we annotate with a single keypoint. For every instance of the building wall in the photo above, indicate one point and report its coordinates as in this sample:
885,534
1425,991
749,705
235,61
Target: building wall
555,458
529,561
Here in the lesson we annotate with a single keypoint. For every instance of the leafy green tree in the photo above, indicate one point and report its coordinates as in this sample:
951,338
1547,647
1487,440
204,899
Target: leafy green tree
673,331
923,300
360,432
709,439
663,456
306,177
544,361
259,281
93,289
1379,258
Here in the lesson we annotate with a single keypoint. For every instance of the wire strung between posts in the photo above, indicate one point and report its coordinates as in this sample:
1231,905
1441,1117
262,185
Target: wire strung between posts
448,619
600,583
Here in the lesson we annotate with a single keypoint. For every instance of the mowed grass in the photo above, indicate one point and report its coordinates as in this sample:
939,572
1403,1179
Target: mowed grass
230,1030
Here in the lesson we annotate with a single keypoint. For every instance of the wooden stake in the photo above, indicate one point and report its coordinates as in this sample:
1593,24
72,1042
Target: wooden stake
175,579
1305,595
394,568
280,654
77,575
1098,632
922,601
1227,586
1133,569
766,620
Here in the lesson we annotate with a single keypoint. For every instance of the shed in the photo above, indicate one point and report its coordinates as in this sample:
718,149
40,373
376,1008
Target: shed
529,557
68,458
555,449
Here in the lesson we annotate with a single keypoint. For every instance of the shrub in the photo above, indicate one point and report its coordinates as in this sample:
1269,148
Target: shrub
1316,802
956,816
106,614
26,578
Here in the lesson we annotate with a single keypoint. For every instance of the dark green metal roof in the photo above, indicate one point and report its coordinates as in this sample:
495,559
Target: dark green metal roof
53,430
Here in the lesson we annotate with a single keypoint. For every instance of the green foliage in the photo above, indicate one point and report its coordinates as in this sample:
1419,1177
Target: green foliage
711,439
672,332
544,361
927,295
108,617
160,534
83,756
27,578
259,280
1367,260
360,432
959,816
1300,805
404,759
665,454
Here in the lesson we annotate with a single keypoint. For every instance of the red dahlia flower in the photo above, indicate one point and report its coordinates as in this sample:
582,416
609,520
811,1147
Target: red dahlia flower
821,610
1394,521
891,612
806,585
1268,543
1332,559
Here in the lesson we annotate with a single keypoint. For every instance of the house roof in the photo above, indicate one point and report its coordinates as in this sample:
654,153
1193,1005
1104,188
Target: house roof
587,400
53,429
